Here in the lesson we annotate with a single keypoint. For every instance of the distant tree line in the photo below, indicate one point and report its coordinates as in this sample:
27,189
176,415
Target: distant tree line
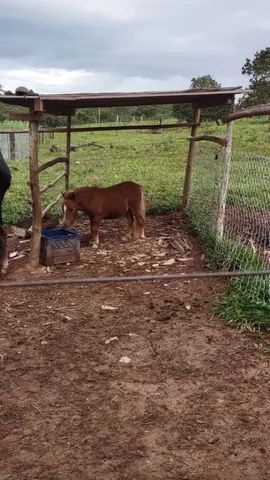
257,69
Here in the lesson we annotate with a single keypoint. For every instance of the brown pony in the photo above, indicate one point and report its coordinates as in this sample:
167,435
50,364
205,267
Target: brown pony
125,199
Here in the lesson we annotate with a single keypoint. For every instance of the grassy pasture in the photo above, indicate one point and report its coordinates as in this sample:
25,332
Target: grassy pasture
157,161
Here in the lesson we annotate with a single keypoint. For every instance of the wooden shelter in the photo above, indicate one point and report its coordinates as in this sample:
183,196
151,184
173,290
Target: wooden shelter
65,104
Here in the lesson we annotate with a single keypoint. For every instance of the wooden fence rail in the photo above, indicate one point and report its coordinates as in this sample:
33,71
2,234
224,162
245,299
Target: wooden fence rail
105,128
52,162
52,183
51,204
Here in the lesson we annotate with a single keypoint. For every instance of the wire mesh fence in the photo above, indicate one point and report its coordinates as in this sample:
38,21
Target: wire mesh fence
245,244
153,159
157,161
21,146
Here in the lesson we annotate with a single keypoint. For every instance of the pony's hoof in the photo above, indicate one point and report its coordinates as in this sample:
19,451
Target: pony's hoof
126,239
94,246
141,239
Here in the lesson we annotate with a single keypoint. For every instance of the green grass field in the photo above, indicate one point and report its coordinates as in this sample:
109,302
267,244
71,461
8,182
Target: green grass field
157,161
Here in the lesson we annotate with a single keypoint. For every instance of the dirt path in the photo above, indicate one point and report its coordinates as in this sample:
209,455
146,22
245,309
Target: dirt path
193,403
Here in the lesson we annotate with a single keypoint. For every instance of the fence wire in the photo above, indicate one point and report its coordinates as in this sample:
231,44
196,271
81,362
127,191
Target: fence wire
157,161
246,240
154,159
21,146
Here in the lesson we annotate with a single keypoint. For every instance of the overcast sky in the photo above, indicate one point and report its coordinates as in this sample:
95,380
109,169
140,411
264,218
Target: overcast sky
127,45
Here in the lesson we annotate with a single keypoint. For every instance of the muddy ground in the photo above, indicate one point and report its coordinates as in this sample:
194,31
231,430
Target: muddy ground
193,403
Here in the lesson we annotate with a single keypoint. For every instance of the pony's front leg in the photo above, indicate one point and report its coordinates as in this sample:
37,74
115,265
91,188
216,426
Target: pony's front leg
95,224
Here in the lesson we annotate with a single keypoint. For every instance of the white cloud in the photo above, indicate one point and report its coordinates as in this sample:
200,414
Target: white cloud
55,79
148,84
87,45
62,11
61,80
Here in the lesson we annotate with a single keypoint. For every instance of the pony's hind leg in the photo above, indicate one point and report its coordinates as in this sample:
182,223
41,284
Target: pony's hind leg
137,208
140,222
131,225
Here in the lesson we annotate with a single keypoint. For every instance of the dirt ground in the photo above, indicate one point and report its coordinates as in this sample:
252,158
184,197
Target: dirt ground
193,403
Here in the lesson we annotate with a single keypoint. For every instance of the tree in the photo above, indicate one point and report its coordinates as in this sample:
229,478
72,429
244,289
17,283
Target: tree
258,70
184,111
206,81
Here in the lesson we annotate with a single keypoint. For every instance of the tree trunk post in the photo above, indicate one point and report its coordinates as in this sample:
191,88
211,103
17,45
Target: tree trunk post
67,165
188,174
35,192
227,153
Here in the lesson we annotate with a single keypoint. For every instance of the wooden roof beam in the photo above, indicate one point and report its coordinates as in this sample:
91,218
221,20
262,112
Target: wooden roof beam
50,108
221,101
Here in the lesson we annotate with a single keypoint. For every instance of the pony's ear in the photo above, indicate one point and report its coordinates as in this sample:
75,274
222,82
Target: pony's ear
68,195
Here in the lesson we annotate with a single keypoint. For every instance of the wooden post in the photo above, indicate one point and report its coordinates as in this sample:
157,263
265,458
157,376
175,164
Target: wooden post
12,150
188,174
227,153
67,165
35,192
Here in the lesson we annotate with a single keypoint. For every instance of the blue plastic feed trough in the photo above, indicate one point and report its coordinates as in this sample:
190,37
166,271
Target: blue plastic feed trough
59,246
